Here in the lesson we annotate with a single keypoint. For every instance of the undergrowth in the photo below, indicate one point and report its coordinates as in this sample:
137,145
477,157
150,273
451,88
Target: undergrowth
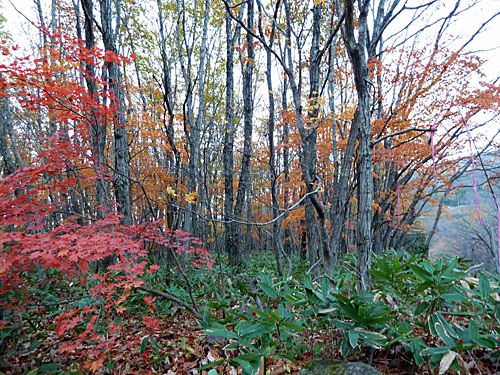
439,315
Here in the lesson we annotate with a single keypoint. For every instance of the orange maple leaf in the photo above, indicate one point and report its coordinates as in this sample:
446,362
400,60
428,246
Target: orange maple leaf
97,364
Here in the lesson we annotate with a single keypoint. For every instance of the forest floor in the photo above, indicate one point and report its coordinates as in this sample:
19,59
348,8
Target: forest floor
183,348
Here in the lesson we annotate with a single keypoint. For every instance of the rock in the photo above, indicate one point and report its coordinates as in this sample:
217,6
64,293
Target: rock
334,367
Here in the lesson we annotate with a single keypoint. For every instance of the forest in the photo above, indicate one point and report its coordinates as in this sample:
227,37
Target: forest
249,187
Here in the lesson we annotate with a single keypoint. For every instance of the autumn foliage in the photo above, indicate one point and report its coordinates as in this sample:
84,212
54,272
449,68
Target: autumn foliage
38,231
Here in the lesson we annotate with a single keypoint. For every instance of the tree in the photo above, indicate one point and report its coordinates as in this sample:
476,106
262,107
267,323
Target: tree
121,178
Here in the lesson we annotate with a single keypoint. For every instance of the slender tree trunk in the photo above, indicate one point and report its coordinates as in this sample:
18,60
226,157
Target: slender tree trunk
97,126
357,54
5,122
196,127
121,161
233,251
244,180
308,138
277,238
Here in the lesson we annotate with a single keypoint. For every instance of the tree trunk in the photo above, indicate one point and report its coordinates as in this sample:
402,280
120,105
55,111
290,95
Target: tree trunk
97,126
357,55
233,251
244,180
121,161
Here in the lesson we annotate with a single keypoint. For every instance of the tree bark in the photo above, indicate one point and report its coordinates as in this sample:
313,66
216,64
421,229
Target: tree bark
244,179
121,162
230,245
357,54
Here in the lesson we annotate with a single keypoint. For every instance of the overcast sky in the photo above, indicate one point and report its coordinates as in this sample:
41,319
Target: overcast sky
488,42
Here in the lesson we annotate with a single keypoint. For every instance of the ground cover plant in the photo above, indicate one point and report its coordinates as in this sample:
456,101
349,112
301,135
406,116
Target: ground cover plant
420,317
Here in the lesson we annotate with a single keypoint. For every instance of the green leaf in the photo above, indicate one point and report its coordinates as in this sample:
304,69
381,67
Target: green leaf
444,335
247,367
275,316
349,310
421,308
292,326
484,286
497,313
325,286
283,312
144,344
485,342
434,351
353,337
495,355
154,343
384,266
463,333
35,345
49,367
221,332
260,313
340,324
423,286
446,325
211,364
421,273
380,275
255,330
268,290
232,346
371,335
474,333
450,268
432,320
345,349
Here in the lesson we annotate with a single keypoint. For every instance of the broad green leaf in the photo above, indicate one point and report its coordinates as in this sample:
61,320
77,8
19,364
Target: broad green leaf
144,344
211,364
370,334
268,290
485,342
474,333
341,324
381,275
49,367
275,316
484,286
220,332
436,350
349,310
421,308
353,337
497,313
292,326
421,273
463,333
35,345
258,312
444,335
255,330
432,320
446,325
154,343
248,368
345,348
